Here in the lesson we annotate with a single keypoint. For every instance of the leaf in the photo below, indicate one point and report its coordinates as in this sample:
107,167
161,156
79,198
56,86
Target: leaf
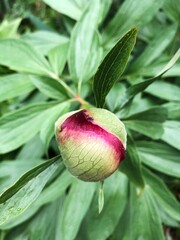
159,156
144,210
155,47
150,129
49,87
70,8
131,13
101,226
44,41
156,67
148,122
77,202
131,166
84,59
172,9
139,87
49,194
105,7
8,29
155,114
20,56
20,126
115,96
33,148
14,85
169,91
57,57
40,226
47,128
163,195
18,197
11,170
171,133
173,109
113,66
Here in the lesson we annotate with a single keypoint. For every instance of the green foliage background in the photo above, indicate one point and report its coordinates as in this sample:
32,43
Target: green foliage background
49,56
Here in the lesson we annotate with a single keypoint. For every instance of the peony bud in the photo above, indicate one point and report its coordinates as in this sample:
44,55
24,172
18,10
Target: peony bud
92,143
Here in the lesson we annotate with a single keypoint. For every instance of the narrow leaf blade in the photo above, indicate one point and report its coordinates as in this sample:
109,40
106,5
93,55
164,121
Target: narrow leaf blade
17,198
113,66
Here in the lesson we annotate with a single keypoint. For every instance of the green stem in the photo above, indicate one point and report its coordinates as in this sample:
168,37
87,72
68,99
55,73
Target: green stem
76,97
79,88
101,196
54,76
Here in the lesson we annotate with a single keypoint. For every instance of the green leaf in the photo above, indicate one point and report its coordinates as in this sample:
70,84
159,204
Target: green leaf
171,133
49,194
47,128
8,29
11,170
105,7
131,166
131,13
57,57
40,226
139,87
150,129
169,91
156,67
20,56
113,66
162,195
145,220
19,197
148,122
49,87
115,96
33,148
172,9
70,8
115,198
75,207
155,47
173,109
84,59
44,41
155,114
20,126
14,85
159,156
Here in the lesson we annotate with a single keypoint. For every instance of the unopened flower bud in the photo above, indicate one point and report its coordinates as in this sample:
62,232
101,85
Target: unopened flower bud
92,143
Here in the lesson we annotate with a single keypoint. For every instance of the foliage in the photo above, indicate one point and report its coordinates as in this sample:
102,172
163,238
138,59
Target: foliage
57,56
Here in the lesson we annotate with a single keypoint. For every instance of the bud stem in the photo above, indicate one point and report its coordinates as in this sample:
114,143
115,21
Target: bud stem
101,196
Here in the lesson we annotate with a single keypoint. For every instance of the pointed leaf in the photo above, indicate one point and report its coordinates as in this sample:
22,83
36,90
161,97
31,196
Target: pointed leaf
131,13
70,8
14,85
171,133
139,87
144,210
21,125
115,193
159,156
18,197
20,56
85,51
113,66
75,208
163,195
